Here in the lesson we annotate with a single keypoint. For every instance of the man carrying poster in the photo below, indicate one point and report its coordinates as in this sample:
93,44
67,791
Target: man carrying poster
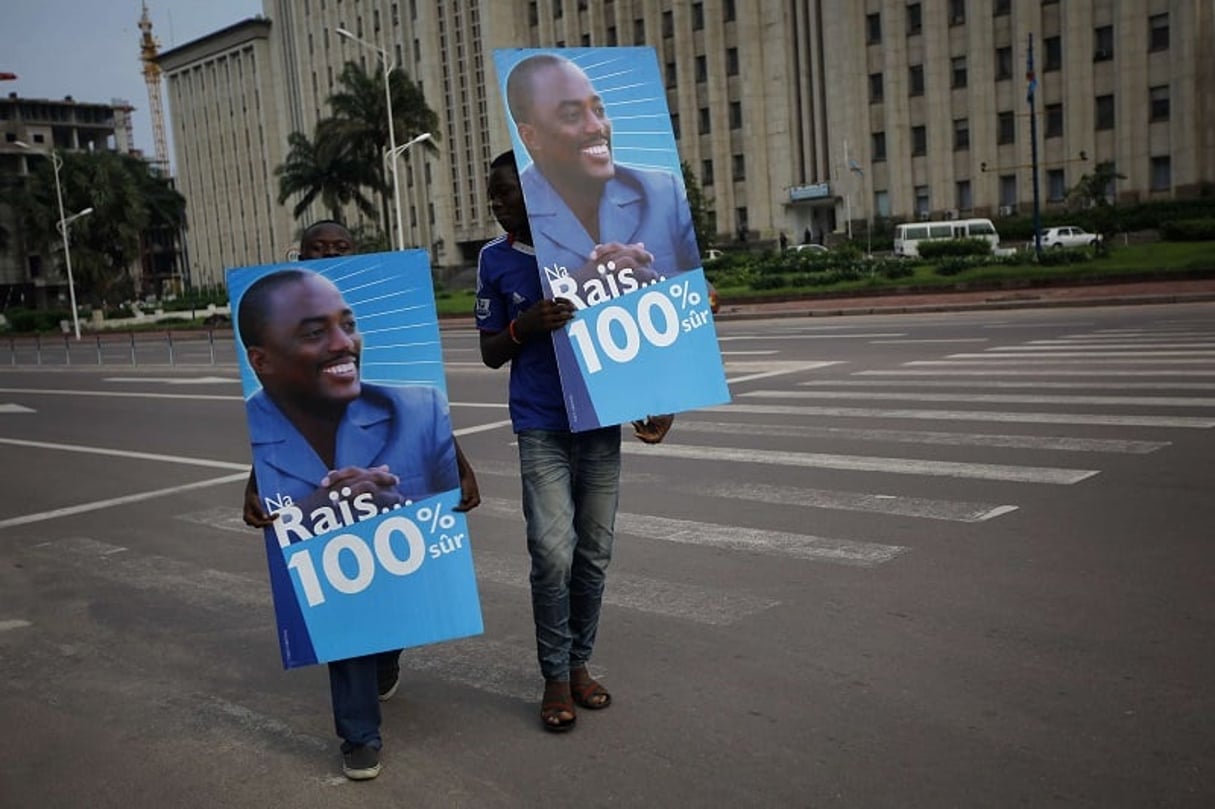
613,233
337,458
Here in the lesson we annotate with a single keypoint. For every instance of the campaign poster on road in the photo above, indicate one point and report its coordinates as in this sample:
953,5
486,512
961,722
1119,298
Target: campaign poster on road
613,232
344,390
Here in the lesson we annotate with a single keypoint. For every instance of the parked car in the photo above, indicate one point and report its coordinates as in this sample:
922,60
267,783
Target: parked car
813,248
1069,236
711,254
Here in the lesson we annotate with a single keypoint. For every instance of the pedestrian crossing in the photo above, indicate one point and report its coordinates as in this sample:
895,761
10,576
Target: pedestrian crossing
874,459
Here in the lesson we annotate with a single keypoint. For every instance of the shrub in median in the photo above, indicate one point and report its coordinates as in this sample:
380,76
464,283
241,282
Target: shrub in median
931,250
1188,230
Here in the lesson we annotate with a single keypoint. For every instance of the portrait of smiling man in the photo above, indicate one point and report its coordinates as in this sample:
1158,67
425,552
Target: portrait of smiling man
323,437
587,211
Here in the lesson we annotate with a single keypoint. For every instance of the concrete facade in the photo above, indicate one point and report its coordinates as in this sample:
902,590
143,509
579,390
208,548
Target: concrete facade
227,111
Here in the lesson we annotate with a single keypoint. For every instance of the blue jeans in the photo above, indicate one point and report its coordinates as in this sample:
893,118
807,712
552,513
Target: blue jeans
354,686
571,486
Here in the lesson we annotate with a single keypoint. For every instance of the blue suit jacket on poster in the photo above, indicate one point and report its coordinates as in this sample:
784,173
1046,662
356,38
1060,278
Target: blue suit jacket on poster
638,205
406,428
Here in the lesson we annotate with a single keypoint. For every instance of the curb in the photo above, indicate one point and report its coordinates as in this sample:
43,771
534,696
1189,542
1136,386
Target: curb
968,306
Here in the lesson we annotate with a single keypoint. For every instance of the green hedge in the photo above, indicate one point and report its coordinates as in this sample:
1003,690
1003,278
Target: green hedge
32,320
942,248
1188,230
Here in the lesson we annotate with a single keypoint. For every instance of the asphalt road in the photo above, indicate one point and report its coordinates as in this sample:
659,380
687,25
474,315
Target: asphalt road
947,560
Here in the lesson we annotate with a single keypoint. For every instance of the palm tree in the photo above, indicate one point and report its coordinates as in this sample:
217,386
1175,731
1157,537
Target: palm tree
360,115
329,167
126,198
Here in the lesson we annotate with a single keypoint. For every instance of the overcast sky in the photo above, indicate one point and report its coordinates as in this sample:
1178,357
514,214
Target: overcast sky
89,49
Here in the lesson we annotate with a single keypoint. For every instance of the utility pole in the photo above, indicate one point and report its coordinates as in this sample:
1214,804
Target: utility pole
1033,143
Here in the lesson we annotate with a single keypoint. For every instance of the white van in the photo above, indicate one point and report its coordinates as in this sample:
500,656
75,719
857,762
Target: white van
908,236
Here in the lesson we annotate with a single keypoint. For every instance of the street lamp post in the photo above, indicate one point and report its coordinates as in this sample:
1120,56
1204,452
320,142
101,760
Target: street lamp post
392,138
62,227
393,153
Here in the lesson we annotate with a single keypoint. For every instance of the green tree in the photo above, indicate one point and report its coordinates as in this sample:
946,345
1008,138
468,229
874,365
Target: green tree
357,133
328,167
1092,193
703,218
126,196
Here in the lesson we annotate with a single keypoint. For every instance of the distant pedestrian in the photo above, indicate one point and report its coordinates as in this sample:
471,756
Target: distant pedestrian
808,237
784,241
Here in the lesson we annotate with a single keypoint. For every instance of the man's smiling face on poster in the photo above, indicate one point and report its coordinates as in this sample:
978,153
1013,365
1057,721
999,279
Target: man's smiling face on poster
568,133
310,344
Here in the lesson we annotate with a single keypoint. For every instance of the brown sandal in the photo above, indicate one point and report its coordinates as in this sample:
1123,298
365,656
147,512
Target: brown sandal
588,692
557,701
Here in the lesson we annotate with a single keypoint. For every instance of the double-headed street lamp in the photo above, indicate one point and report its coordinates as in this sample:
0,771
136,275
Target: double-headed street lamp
392,138
62,227
393,153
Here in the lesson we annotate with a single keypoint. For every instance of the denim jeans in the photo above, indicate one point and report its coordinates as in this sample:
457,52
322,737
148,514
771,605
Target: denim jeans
354,686
571,485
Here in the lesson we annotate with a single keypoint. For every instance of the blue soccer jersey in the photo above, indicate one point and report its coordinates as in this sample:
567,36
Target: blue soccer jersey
508,283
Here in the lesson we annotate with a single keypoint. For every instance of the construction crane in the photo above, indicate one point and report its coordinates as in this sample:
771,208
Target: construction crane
149,49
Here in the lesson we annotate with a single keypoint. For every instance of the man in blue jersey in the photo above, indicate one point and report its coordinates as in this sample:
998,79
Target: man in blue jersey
571,481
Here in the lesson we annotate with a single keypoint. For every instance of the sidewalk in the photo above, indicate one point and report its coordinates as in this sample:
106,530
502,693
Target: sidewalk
950,301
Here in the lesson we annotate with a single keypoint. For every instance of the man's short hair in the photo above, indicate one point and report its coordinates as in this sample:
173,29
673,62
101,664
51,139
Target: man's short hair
255,304
323,223
520,91
507,158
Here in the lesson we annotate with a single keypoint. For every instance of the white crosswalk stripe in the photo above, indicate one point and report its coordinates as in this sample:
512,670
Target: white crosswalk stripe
1000,398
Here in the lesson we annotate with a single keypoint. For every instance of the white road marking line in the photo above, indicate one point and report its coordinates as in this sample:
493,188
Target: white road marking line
1058,443
122,453
868,463
117,394
999,384
1114,350
97,505
928,340
1035,325
15,408
184,581
988,398
481,428
947,510
970,415
733,537
170,380
994,353
1054,345
780,370
1002,371
991,361
14,623
989,383
737,337
747,353
703,605
505,669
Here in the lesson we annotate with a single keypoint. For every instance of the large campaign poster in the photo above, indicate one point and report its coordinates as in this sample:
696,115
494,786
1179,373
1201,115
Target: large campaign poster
353,450
613,232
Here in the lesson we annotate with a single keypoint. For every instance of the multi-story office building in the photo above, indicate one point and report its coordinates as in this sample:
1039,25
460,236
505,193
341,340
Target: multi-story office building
27,278
228,102
794,115
932,98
